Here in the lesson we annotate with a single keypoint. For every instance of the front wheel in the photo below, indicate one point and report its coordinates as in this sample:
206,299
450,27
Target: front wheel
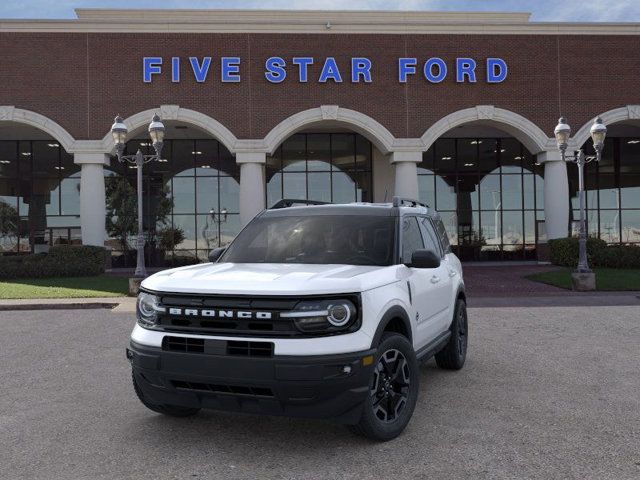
453,355
170,410
393,390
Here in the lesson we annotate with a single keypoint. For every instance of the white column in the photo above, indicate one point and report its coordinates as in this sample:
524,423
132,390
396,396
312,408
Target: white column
406,166
556,195
252,186
92,197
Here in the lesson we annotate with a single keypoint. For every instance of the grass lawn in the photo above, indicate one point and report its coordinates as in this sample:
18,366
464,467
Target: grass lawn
72,287
606,278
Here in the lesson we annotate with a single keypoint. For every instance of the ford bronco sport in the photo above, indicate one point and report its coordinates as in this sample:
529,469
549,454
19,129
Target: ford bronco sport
319,311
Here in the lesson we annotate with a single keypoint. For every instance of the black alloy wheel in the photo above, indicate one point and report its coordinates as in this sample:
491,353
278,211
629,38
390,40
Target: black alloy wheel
393,390
391,383
454,354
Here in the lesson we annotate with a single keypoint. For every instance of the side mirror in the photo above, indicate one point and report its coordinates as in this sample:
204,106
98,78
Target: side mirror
424,259
216,253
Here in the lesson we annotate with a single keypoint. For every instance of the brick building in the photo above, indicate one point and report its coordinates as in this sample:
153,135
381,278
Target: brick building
457,109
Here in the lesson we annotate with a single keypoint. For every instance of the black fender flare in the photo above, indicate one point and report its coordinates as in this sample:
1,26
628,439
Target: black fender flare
394,312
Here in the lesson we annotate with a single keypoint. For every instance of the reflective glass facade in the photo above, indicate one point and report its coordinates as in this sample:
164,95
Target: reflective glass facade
612,192
39,196
490,195
329,167
194,189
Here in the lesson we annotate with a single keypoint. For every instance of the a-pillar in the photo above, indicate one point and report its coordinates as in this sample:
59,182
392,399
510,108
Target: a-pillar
556,194
92,197
252,187
406,165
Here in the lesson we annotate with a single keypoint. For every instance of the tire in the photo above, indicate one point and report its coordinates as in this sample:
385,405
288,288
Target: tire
390,404
454,354
170,410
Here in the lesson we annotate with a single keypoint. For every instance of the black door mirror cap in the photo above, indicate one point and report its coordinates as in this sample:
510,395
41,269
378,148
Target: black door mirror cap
216,253
424,259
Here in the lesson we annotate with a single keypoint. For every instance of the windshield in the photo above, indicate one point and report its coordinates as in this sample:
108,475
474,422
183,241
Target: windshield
324,239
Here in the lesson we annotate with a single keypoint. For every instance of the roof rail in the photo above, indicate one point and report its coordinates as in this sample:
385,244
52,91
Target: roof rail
291,202
400,201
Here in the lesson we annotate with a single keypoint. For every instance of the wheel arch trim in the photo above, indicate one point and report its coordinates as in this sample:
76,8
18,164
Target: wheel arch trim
392,313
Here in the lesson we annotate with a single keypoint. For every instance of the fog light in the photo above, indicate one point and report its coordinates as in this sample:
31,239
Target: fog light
368,360
346,369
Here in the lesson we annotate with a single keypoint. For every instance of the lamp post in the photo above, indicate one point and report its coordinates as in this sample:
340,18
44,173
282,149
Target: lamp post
156,132
562,133
217,219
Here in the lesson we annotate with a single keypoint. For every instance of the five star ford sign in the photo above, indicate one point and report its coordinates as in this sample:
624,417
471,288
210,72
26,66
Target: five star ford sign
277,69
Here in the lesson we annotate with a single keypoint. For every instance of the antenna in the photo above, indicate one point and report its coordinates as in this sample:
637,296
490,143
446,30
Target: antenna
386,192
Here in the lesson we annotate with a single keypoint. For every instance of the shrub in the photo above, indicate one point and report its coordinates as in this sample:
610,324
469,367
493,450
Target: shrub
181,261
619,256
565,252
61,261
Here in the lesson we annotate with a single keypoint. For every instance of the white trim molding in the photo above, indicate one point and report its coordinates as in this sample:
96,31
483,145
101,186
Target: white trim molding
374,131
9,113
177,113
617,115
512,123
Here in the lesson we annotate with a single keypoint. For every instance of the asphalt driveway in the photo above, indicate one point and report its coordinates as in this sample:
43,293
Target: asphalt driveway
546,393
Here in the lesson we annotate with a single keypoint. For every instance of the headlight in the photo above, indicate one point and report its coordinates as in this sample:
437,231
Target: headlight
323,316
147,309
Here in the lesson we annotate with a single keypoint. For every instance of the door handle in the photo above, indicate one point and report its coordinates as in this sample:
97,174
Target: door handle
435,279
452,273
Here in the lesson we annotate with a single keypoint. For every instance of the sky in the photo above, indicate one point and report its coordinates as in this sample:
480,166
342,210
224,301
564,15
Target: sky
542,10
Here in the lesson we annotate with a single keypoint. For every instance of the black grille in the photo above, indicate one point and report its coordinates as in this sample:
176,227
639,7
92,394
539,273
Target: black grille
234,326
217,347
250,349
183,344
221,388
274,326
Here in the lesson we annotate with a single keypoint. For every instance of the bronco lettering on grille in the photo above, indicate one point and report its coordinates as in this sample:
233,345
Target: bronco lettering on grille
242,314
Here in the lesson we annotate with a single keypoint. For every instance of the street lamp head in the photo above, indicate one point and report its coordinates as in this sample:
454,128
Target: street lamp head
156,132
598,134
224,214
562,133
119,132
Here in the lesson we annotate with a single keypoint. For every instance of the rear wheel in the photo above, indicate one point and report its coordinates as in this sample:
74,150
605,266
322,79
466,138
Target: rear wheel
453,355
170,410
393,390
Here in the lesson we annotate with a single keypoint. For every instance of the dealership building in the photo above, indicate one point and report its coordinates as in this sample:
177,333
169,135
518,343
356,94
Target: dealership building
454,109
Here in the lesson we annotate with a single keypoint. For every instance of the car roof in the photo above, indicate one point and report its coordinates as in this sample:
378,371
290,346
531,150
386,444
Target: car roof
360,208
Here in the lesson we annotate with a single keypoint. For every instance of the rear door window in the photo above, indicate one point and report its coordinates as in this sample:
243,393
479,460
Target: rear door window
411,238
430,237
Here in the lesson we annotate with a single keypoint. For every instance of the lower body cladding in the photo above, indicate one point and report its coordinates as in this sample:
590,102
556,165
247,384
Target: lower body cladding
215,376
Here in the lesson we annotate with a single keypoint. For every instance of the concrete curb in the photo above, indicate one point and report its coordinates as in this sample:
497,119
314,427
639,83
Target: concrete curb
57,306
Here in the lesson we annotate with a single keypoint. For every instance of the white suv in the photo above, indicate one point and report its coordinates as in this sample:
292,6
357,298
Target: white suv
314,311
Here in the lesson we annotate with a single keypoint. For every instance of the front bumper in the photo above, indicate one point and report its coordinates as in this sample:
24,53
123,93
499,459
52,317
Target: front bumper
323,386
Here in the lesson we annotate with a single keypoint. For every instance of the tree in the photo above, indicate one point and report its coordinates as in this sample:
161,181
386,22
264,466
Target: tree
122,211
9,223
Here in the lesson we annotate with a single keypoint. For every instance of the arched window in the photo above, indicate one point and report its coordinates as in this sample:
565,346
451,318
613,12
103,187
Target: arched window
191,202
489,193
39,196
612,188
329,167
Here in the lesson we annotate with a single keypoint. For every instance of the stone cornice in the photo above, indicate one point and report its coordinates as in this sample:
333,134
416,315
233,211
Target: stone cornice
304,21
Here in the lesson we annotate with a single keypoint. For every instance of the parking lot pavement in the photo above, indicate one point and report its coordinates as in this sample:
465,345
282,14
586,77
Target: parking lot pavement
546,393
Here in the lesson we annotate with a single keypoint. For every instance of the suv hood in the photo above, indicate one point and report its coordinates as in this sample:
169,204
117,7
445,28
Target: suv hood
270,279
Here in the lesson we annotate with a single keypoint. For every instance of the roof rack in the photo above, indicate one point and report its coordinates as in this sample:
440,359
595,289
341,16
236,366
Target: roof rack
291,202
409,202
